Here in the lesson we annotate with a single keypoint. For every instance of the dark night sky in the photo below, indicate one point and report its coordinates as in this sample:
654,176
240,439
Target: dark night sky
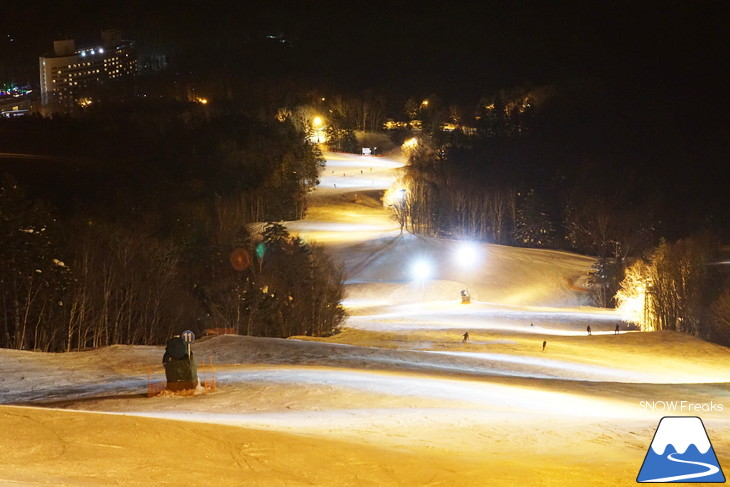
656,70
455,48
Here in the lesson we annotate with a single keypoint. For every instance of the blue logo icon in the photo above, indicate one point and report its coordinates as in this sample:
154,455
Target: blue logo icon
681,452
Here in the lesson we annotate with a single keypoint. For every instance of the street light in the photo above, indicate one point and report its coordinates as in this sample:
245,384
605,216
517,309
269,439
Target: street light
421,270
317,129
467,255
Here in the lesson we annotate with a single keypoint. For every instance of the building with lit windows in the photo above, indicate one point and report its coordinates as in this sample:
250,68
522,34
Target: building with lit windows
73,77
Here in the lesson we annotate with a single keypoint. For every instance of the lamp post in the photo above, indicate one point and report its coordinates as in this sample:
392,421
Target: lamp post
317,124
466,255
421,271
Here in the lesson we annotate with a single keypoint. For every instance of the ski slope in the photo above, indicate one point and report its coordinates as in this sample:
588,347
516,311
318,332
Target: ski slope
395,399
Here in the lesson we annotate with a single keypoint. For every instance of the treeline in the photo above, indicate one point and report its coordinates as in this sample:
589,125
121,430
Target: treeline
138,228
157,158
682,286
574,166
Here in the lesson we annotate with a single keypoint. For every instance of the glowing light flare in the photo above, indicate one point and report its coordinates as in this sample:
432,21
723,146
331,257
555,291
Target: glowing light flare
318,134
395,195
634,296
421,269
240,259
410,144
467,254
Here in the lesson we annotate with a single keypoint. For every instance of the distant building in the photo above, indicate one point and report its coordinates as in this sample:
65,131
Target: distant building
72,77
15,101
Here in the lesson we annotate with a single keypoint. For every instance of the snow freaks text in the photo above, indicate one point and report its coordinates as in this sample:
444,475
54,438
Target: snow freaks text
681,407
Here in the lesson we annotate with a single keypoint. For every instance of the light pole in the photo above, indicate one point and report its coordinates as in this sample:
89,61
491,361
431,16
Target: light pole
317,124
421,271
466,255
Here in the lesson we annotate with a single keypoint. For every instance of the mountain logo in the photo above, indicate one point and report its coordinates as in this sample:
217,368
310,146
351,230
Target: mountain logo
681,452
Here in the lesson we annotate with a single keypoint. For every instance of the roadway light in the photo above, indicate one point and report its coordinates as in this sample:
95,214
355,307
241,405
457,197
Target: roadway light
317,122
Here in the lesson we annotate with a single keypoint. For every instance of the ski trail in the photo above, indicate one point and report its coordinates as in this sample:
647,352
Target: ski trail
712,470
368,259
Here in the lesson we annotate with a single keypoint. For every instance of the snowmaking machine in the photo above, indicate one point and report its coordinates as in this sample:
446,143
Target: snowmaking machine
179,365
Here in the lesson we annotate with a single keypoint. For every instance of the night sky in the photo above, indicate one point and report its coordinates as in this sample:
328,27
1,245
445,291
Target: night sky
457,49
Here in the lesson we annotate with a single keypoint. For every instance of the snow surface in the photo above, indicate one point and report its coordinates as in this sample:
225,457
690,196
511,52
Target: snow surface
395,399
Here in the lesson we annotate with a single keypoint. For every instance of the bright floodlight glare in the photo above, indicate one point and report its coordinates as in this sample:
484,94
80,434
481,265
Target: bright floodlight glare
421,270
410,143
467,254
317,121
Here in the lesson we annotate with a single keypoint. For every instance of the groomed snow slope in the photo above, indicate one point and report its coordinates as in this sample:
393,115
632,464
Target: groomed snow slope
396,399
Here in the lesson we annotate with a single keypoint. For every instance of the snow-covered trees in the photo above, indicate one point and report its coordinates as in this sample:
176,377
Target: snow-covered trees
677,288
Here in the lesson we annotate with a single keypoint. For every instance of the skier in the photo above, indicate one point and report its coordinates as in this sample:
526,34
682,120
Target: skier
589,329
466,337
544,344
532,324
616,332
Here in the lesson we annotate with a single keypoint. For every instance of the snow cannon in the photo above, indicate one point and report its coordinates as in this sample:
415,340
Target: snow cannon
179,365
465,297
